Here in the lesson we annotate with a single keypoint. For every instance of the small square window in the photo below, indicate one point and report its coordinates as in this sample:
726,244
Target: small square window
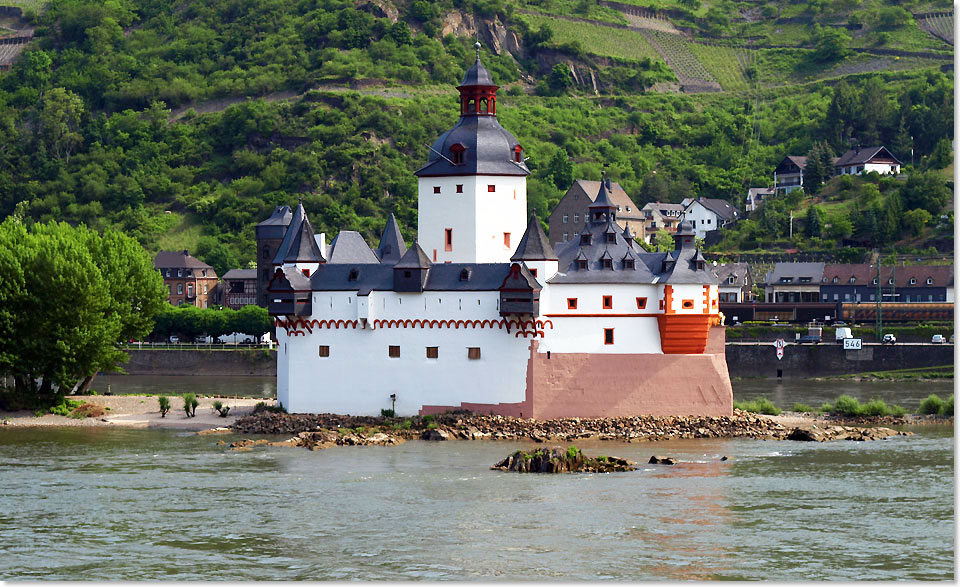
608,336
607,264
459,188
533,272
571,303
491,188
306,272
607,302
324,350
687,304
433,352
436,189
641,303
566,218
393,351
506,239
473,353
576,218
566,236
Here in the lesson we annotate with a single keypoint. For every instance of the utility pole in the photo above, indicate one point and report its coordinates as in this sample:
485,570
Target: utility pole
879,299
791,224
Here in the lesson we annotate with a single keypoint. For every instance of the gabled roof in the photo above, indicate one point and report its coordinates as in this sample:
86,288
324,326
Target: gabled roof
739,271
799,161
240,274
721,208
534,245
414,258
391,246
862,155
281,216
626,208
298,244
864,274
349,247
795,271
754,192
179,260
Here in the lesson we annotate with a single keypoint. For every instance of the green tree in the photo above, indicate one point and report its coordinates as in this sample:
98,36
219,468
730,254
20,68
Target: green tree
942,155
60,122
831,45
560,169
66,304
916,219
560,78
926,190
664,240
252,320
814,227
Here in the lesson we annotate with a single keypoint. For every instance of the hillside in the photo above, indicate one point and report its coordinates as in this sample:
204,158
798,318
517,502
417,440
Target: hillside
185,123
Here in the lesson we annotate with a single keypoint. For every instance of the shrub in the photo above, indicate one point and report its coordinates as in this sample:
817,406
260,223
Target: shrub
64,407
388,413
164,402
87,411
190,404
572,452
846,406
849,406
263,407
932,405
948,407
799,407
219,407
758,406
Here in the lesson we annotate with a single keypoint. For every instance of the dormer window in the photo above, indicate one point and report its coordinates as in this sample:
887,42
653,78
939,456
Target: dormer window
354,275
608,264
464,275
913,281
874,281
611,237
456,152
731,280
929,281
836,280
179,272
518,154
581,264
629,264
890,281
853,280
585,238
699,265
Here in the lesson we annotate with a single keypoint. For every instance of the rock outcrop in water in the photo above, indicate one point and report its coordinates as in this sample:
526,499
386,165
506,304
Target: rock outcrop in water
559,460
817,434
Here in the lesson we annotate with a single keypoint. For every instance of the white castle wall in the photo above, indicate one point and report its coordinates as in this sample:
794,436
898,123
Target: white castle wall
359,375
477,217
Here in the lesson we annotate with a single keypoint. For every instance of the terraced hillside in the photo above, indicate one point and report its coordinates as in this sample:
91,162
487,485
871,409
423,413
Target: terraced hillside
693,76
938,25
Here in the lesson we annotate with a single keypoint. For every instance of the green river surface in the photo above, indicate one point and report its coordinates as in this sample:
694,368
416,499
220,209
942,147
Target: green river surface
120,504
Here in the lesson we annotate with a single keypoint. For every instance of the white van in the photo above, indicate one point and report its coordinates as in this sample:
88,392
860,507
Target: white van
842,333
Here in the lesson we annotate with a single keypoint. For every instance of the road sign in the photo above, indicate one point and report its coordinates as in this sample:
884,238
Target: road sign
779,344
852,344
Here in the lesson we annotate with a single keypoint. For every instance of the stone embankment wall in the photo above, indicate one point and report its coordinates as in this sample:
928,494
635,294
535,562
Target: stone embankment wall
830,359
260,362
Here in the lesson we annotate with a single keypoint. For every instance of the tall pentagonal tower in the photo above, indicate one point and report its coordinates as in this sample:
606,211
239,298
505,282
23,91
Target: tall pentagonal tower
473,190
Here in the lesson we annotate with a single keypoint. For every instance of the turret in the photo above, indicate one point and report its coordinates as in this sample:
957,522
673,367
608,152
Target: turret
535,251
299,247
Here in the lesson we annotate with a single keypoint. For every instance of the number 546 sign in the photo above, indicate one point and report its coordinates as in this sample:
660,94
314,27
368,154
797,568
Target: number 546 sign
779,344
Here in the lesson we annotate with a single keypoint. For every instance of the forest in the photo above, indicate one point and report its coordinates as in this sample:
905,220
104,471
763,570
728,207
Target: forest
183,125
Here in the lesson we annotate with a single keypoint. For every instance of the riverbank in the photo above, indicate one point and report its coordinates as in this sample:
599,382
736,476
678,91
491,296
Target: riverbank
140,411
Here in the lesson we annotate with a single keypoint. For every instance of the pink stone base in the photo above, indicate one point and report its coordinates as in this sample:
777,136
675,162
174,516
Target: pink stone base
579,385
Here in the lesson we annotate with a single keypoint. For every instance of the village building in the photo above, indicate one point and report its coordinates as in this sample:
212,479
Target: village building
793,282
756,197
660,216
736,282
866,159
188,279
860,282
483,313
709,214
788,175
238,288
569,217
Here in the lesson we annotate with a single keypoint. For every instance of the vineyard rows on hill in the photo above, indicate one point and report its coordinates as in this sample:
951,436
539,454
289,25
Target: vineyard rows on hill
688,69
726,64
940,26
8,53
597,39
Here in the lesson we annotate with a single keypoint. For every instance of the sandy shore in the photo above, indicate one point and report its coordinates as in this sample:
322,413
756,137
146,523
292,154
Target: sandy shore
137,411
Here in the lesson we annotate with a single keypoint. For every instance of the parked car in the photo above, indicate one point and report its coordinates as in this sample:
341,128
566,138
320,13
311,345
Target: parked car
174,339
889,339
938,339
842,333
809,338
952,336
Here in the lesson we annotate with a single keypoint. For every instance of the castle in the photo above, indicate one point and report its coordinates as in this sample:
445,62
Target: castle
472,317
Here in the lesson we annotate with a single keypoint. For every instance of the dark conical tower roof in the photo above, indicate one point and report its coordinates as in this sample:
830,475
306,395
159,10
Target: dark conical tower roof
534,246
299,244
392,247
603,201
478,74
414,258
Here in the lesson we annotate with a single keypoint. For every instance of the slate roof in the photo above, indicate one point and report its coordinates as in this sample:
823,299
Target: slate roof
721,208
795,271
349,247
181,260
755,192
298,243
534,246
797,160
240,274
626,207
477,75
864,274
488,150
379,277
739,271
414,258
391,246
281,216
863,155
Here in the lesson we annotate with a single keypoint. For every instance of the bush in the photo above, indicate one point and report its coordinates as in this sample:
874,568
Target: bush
64,407
164,402
846,406
385,413
947,408
572,452
190,404
799,407
932,405
850,407
758,406
263,407
219,407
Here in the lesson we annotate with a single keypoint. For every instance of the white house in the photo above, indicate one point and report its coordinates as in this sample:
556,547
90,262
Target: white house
788,175
866,159
471,317
756,197
709,214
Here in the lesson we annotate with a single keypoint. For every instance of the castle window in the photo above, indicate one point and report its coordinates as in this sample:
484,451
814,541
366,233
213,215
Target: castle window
585,238
456,151
354,274
611,237
608,336
576,218
459,188
473,353
641,303
566,236
393,351
607,302
913,281
853,280
629,264
581,263
433,352
306,272
506,239
608,264
464,275
436,189
533,272
571,303
929,281
518,154
448,239
406,274
687,304
324,351
491,188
